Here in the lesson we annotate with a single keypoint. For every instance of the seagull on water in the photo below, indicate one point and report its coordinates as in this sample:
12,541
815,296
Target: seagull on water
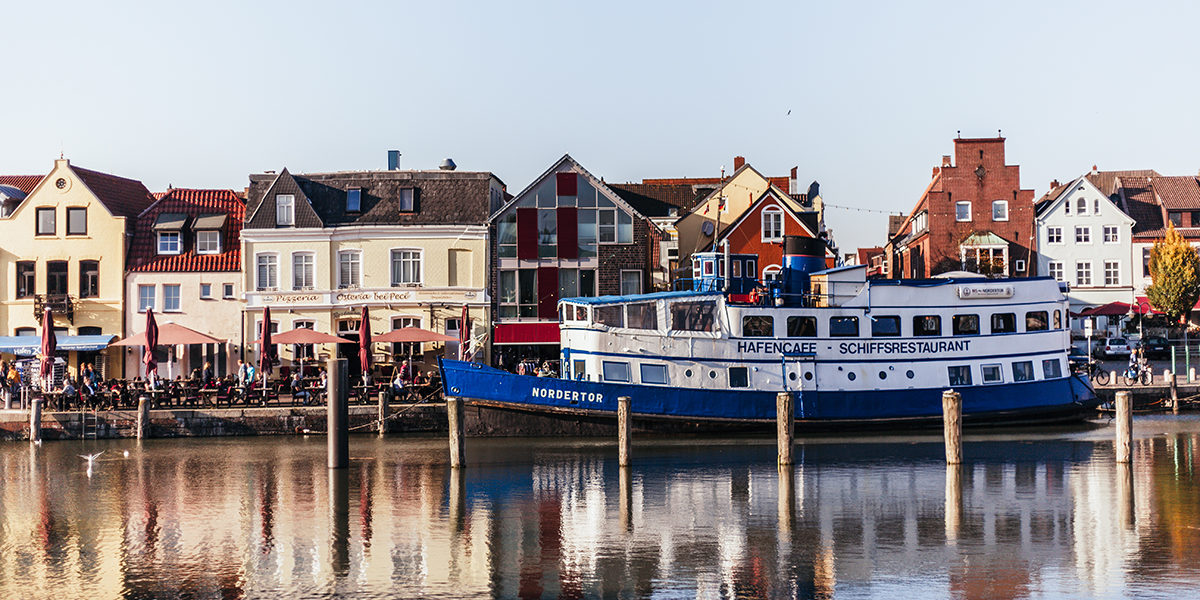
91,458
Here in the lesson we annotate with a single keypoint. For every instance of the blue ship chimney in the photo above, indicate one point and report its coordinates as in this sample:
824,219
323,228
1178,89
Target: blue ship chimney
802,256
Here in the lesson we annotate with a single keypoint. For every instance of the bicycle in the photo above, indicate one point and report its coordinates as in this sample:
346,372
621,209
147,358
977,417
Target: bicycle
1137,374
1096,372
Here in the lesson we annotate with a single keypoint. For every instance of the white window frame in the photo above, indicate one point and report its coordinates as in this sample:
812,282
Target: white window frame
178,289
957,213
353,280
1113,268
398,254
171,249
772,224
206,291
1019,265
146,301
772,272
1054,269
297,270
227,291
285,210
273,271
1054,235
999,203
1115,230
1084,266
1084,232
1081,206
403,349
638,272
998,370
208,241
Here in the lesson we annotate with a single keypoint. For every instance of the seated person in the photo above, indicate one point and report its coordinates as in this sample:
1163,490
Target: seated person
298,390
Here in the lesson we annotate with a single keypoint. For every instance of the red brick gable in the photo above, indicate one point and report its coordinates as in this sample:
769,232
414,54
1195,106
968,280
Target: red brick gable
143,253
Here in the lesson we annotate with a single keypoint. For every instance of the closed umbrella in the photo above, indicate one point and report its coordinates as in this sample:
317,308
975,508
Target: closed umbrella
266,356
151,342
49,345
364,343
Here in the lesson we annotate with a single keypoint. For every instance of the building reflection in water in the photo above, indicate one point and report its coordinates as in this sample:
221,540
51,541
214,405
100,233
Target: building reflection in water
257,517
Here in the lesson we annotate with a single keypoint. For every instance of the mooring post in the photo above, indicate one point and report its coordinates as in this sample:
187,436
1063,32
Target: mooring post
1170,377
625,505
952,426
454,413
623,431
954,505
1124,445
143,418
35,420
337,414
1191,374
1112,377
785,425
383,408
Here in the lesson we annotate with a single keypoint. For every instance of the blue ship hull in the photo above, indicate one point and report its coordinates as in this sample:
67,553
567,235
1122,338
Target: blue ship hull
507,404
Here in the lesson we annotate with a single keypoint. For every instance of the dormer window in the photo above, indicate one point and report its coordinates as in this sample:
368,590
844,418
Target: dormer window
353,200
208,242
406,200
285,210
168,242
167,228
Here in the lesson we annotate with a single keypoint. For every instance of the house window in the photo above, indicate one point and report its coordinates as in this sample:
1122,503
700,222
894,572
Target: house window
145,297
772,273
89,278
1083,235
1096,206
25,332
1055,270
285,210
406,200
45,221
616,371
960,375
1054,235
304,271
547,233
1081,206
56,277
303,351
1083,272
406,348
406,267
772,225
227,291
518,293
1176,218
962,211
606,220
171,297
966,325
349,269
268,272
1019,265
843,326
1111,234
927,325
631,282
353,200
26,278
76,220
1000,210
168,242
208,242
1146,261
1112,272
206,291
506,236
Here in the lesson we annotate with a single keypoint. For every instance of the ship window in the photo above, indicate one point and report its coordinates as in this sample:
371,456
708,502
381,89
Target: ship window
643,316
707,265
580,313
802,326
694,316
927,325
966,324
960,375
1058,319
992,373
843,326
851,376
1004,323
1051,368
758,326
739,377
580,370
613,316
616,371
1023,371
656,374
885,326
1037,321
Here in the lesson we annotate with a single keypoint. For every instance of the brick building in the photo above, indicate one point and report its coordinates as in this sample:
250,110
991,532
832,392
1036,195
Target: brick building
973,216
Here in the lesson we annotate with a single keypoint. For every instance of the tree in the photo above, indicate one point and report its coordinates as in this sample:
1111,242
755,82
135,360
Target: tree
1175,268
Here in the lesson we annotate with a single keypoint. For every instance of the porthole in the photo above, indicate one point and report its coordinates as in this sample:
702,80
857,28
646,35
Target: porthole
687,373
910,374
808,376
712,374
883,374
792,376
851,375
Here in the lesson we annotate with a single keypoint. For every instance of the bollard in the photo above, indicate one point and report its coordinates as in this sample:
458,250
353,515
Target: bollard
383,408
1170,377
785,426
35,420
1112,377
143,418
1124,442
952,426
454,413
337,414
623,429
7,399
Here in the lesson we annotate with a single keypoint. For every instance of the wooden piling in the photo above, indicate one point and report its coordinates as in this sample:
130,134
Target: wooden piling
625,506
952,426
1170,377
35,420
337,413
143,416
383,409
624,426
454,412
785,425
1124,442
954,504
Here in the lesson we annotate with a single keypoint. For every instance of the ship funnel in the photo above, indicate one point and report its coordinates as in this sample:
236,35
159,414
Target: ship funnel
802,256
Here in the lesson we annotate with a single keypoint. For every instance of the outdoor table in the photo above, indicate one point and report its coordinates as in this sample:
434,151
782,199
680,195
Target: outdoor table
362,392
208,396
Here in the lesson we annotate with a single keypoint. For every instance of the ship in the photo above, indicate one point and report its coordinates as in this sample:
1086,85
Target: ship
854,352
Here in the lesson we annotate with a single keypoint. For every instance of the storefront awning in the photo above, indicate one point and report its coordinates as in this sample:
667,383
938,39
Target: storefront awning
526,333
28,345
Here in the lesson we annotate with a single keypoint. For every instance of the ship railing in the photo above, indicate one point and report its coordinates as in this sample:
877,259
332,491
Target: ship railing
760,292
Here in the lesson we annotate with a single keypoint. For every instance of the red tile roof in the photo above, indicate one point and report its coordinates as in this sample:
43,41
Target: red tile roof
1177,193
25,183
143,253
123,197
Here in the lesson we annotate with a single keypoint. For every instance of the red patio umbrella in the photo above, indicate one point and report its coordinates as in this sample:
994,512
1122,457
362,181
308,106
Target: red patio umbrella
266,355
171,334
464,335
49,345
1112,309
151,337
414,334
364,342
303,335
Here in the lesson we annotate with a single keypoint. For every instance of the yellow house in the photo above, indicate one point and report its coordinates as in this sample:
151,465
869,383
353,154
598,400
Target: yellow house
63,247
411,246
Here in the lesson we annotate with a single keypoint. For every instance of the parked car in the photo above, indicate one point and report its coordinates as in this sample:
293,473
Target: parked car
1156,347
1112,347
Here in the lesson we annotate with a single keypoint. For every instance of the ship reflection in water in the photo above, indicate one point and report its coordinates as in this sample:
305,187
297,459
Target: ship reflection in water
1042,514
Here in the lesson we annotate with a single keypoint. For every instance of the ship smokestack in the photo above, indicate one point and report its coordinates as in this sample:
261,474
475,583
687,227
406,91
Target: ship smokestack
802,256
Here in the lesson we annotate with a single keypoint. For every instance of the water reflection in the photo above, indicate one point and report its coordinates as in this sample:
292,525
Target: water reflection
1042,515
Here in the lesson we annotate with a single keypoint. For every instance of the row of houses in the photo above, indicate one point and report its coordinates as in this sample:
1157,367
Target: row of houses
1093,232
442,249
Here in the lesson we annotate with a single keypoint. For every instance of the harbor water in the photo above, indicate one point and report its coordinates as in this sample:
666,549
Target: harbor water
1030,514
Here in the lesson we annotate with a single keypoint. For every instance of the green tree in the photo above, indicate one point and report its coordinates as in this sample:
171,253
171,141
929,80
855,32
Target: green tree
1175,268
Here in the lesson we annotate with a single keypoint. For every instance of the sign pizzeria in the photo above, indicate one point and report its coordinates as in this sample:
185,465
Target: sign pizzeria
984,291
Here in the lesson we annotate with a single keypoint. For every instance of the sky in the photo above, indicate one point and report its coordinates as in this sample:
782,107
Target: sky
863,97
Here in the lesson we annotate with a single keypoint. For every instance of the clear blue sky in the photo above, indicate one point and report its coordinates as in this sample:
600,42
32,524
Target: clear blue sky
202,94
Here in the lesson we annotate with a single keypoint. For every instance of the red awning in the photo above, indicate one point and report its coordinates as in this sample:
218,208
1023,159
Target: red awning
1143,307
526,333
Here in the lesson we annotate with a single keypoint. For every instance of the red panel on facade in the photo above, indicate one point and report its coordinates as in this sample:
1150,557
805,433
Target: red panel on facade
527,235
526,333
568,184
547,290
568,245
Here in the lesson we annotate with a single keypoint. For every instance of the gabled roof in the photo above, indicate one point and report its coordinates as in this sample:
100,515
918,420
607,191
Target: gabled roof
192,204
1107,182
1177,193
647,200
578,168
122,196
25,183
771,194
894,224
1062,192
268,186
934,186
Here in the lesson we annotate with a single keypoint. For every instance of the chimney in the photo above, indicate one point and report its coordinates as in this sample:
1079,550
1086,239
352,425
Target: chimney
393,160
448,165
946,160
793,185
738,161
1054,184
1095,170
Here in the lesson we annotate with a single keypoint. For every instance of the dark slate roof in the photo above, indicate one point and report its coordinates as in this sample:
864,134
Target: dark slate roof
143,256
440,198
647,205
682,195
123,197
25,183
